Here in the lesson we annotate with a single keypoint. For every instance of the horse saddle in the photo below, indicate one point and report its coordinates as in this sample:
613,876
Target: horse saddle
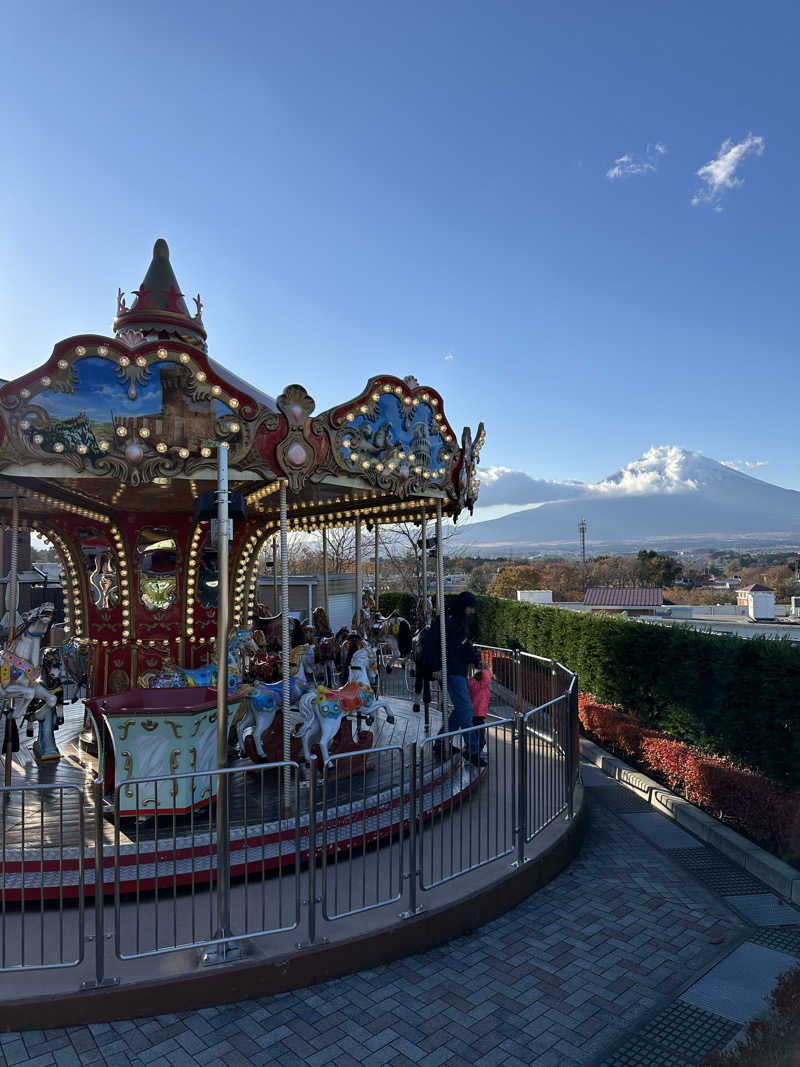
350,697
14,669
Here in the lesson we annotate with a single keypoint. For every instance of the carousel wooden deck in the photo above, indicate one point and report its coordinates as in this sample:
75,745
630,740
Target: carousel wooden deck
51,817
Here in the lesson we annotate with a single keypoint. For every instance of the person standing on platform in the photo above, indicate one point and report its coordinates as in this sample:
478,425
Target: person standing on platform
461,654
479,694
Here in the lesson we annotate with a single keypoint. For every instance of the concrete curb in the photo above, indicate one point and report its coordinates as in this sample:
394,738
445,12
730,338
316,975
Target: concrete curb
779,876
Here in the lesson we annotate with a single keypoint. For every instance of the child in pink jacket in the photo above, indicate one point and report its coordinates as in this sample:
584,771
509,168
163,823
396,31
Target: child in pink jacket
479,695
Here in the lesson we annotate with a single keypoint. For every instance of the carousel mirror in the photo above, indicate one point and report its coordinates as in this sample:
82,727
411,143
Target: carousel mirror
157,563
101,568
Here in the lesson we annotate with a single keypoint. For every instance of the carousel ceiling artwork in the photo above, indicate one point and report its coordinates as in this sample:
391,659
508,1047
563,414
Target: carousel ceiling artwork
113,420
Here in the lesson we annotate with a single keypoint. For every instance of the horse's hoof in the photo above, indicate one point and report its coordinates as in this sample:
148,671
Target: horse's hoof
416,709
390,719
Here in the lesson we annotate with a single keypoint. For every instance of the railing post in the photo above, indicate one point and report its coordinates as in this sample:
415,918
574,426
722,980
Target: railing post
312,850
518,681
413,872
100,979
522,787
571,712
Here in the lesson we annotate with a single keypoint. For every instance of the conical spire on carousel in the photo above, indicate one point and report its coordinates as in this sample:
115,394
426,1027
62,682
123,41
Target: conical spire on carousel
159,311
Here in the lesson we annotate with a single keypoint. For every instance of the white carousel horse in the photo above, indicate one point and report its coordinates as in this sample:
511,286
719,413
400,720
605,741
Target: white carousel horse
19,677
323,709
263,701
172,676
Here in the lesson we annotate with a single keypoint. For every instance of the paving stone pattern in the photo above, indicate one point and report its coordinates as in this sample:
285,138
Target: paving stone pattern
557,981
679,1036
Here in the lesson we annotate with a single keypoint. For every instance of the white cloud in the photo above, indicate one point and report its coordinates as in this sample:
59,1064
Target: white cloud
627,166
449,356
720,173
746,464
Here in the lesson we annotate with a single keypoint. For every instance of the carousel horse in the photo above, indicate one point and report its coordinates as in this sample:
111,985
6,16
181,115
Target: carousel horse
19,678
256,713
75,659
270,626
53,676
393,632
349,643
172,676
324,645
323,709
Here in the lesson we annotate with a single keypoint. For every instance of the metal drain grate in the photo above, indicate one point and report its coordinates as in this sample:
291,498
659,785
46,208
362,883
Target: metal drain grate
679,1036
620,800
781,938
716,872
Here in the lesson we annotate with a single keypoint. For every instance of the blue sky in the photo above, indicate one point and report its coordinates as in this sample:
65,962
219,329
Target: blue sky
424,188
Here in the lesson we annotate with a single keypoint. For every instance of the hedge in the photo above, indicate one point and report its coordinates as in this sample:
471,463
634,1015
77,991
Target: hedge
737,698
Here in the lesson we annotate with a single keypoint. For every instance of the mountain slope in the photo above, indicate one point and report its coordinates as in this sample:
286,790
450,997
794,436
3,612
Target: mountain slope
669,494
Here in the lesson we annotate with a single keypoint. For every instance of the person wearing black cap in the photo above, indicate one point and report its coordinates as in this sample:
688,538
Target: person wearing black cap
461,654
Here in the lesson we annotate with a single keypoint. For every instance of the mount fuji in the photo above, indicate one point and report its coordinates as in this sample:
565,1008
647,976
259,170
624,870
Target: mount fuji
670,496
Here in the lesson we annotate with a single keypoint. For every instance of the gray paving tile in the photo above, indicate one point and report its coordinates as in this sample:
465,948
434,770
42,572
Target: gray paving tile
661,831
737,988
765,909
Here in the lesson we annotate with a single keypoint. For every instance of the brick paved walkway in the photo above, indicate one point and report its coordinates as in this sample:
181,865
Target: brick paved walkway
556,981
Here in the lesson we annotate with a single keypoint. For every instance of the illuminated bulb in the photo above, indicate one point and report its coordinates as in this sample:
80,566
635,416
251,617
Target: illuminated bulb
183,453
102,350
349,416
122,431
124,361
161,447
201,376
58,447
62,364
216,390
162,353
234,427
104,446
46,380
80,351
205,452
37,439
144,432
184,357
141,361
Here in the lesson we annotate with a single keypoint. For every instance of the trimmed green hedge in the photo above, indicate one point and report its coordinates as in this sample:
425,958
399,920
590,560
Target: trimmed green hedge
735,697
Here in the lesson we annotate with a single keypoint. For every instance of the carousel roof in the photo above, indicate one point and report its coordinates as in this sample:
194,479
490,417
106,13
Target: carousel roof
132,422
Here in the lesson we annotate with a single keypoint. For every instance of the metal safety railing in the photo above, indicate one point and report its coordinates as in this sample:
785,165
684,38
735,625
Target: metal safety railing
42,878
375,829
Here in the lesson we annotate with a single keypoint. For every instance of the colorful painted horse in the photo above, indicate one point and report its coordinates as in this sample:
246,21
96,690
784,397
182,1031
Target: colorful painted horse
19,678
172,676
257,711
323,709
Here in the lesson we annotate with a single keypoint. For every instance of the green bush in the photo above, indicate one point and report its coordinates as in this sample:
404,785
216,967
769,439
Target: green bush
738,698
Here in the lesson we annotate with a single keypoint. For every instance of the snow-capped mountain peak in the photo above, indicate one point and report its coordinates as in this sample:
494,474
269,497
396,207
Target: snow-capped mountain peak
665,469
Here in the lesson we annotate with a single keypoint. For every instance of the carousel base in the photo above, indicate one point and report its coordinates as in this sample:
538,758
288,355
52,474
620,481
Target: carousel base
44,841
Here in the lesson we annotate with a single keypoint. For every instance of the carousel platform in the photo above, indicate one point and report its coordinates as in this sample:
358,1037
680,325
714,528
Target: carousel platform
47,835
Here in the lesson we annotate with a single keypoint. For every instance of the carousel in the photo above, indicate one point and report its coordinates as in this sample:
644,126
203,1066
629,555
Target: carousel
159,477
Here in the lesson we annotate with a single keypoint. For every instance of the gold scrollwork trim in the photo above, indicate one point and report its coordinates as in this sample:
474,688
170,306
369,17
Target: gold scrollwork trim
176,727
124,727
150,725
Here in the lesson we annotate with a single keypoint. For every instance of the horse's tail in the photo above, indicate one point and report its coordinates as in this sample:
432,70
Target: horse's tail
404,637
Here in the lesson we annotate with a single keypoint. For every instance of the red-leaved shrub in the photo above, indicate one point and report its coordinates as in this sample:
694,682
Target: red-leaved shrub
747,802
773,1041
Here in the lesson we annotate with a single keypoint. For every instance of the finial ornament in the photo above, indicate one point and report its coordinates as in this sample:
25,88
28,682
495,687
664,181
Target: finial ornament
199,305
122,307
